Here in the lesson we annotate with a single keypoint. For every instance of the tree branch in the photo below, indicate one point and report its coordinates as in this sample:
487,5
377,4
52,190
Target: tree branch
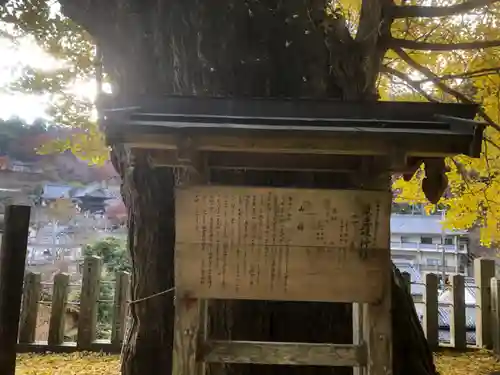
411,11
436,80
427,46
471,74
373,28
371,19
488,140
414,85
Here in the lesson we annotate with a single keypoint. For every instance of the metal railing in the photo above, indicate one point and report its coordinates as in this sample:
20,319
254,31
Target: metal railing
417,246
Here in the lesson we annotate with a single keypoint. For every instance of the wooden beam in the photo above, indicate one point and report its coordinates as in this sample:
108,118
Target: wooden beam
262,161
103,346
283,353
12,262
364,167
362,143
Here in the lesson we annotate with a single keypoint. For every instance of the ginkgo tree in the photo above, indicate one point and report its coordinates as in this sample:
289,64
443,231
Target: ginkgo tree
436,50
455,58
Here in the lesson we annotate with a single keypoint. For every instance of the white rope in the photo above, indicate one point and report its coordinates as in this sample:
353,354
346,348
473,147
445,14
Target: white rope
151,296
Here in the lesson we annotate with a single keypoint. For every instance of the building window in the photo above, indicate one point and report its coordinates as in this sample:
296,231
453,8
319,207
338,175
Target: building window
448,240
426,240
401,208
405,239
463,242
433,262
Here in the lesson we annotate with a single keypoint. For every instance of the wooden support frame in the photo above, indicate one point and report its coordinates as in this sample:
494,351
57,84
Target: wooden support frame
357,332
193,162
284,353
198,135
190,330
378,332
191,314
193,155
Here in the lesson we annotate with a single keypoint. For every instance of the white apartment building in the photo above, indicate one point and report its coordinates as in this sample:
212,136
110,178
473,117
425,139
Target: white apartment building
418,240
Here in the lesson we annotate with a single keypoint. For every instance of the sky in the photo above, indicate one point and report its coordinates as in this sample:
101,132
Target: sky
14,55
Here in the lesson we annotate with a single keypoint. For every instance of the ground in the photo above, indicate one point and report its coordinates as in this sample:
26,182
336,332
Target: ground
448,363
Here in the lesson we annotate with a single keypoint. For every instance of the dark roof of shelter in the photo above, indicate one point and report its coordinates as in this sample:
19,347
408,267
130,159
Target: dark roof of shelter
296,117
298,108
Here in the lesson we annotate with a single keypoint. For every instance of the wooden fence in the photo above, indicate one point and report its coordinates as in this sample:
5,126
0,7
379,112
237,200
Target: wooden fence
87,309
487,311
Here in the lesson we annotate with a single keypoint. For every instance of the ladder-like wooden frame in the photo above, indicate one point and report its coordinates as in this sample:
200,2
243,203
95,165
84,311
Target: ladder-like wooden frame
370,354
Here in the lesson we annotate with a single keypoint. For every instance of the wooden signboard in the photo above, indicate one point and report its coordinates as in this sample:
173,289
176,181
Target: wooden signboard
282,244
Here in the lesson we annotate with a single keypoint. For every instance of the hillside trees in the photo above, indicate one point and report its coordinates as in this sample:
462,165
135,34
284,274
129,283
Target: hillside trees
347,49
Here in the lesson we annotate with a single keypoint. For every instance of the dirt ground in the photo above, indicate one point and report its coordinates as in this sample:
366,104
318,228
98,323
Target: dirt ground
448,363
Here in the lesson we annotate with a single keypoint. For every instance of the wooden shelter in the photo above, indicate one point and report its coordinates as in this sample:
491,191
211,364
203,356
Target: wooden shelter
317,234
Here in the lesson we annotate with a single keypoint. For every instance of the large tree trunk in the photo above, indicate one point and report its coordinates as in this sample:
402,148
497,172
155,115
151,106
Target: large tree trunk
232,48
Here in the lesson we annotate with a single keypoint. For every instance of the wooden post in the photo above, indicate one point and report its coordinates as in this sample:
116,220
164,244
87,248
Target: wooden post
357,334
29,310
495,314
190,318
89,298
120,308
12,261
377,324
58,310
458,336
431,314
189,326
484,270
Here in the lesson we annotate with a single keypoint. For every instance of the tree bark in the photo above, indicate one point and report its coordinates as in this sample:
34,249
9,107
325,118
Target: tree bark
238,48
148,195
